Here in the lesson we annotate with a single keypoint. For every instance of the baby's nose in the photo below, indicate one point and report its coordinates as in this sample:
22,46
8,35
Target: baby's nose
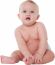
28,15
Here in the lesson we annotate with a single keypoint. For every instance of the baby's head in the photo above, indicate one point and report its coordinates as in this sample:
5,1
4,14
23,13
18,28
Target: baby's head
28,12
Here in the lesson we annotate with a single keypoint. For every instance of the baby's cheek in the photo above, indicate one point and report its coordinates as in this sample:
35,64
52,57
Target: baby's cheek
34,18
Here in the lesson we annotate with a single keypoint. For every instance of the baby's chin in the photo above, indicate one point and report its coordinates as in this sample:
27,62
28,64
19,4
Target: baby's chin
29,24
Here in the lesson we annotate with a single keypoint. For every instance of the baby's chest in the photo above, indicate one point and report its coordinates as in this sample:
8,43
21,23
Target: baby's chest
32,34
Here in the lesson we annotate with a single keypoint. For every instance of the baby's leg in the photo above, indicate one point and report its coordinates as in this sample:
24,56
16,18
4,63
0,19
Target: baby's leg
48,57
14,58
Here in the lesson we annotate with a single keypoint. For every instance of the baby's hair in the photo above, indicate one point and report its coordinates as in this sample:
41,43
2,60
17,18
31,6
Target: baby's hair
31,2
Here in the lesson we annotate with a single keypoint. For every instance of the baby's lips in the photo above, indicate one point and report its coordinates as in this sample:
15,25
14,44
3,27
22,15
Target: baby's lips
27,18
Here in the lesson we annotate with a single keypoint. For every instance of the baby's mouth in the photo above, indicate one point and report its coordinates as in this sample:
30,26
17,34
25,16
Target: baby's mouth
28,18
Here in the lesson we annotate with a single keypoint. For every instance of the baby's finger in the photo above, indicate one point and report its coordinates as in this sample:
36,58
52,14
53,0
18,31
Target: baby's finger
26,61
36,60
41,60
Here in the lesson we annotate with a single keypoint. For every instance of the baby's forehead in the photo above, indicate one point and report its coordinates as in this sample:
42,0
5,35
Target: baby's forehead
28,4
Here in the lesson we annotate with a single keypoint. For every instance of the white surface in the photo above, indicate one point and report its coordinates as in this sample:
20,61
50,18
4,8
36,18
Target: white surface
9,21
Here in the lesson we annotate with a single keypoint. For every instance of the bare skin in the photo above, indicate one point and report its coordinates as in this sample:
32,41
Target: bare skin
31,38
32,43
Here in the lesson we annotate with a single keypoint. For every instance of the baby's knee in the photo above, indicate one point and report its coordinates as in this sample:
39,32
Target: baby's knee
48,57
17,54
50,54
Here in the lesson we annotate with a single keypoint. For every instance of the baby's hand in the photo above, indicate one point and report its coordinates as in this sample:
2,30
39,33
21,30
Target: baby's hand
29,60
38,58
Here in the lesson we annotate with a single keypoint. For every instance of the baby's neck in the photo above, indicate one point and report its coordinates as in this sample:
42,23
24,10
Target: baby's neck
30,25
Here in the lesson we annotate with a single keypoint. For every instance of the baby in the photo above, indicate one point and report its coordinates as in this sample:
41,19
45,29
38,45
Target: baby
31,38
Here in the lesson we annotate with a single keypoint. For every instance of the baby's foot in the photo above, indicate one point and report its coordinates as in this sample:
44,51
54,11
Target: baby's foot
7,60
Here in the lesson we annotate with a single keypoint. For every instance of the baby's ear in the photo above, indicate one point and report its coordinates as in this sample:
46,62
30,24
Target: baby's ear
38,17
18,15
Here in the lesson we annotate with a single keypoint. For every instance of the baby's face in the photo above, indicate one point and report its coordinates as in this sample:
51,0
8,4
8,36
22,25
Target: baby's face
28,13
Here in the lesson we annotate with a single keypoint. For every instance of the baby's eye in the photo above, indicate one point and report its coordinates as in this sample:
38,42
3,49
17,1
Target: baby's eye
32,11
24,11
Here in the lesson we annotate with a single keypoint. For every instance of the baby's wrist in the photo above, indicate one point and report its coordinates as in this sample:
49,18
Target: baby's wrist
29,56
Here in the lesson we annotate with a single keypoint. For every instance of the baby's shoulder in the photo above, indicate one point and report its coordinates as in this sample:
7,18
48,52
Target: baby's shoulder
40,25
18,29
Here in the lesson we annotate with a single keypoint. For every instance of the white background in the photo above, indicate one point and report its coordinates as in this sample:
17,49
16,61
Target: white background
9,21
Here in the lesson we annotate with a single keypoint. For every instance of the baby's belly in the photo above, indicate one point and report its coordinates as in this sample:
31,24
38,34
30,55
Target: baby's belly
33,45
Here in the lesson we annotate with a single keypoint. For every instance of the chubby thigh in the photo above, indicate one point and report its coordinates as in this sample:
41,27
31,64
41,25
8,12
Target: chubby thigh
47,57
17,54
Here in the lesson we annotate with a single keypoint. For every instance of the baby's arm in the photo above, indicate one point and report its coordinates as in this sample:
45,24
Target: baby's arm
43,39
28,58
21,43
